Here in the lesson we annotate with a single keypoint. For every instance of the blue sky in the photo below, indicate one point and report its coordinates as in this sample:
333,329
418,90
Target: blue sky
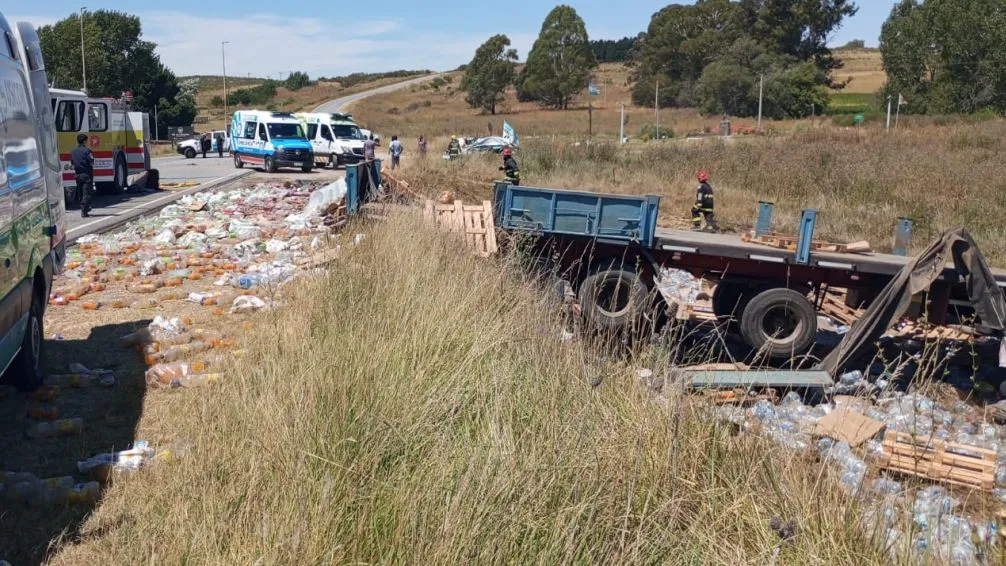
273,38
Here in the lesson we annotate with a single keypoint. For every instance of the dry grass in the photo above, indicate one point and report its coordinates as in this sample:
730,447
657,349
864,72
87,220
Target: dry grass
430,415
864,67
860,181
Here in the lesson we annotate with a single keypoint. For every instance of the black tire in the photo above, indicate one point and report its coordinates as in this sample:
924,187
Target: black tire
333,160
120,175
25,371
613,299
270,165
780,322
728,298
190,153
238,164
307,167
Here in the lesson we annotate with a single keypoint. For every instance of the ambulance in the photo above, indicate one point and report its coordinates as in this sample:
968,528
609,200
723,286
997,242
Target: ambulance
116,136
269,140
335,138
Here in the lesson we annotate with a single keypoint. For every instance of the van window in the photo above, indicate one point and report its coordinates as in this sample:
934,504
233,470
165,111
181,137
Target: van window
10,45
285,131
34,52
348,132
97,117
326,133
69,115
261,133
312,131
249,133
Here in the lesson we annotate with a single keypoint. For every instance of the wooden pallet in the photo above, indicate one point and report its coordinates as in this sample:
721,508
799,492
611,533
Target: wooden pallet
922,331
834,305
774,240
936,460
473,222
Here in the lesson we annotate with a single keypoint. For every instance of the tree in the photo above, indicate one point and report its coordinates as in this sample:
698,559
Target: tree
217,101
297,80
946,56
560,60
491,70
683,41
613,51
118,59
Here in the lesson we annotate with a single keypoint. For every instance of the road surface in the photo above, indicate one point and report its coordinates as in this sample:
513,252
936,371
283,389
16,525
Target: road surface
337,104
111,210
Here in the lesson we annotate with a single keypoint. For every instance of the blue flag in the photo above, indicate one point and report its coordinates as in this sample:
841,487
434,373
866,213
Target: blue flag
510,135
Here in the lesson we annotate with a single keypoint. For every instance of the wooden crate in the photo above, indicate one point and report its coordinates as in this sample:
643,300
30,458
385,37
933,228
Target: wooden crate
473,222
940,461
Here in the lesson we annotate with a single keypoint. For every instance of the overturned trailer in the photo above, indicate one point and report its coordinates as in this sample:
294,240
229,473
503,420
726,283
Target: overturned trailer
610,250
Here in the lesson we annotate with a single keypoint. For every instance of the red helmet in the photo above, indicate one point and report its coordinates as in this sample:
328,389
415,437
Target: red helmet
703,176
507,152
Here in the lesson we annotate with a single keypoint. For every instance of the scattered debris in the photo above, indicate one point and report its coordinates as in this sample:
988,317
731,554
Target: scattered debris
848,426
938,460
789,243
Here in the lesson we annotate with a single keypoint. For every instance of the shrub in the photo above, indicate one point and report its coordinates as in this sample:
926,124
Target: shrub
654,132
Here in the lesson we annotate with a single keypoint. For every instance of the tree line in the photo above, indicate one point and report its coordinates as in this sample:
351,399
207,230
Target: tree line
717,55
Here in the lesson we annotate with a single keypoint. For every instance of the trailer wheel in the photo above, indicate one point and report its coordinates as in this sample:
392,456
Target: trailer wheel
728,298
612,298
238,164
270,165
780,322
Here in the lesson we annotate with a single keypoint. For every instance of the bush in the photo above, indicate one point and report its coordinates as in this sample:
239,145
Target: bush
254,96
217,101
297,80
654,132
394,111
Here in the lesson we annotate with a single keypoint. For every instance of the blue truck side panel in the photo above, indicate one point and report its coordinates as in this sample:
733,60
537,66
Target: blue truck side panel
605,217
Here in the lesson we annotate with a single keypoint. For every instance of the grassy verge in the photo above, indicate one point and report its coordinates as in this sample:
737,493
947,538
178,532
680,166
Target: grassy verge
415,405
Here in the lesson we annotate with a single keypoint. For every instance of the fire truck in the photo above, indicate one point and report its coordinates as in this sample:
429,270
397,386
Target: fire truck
116,136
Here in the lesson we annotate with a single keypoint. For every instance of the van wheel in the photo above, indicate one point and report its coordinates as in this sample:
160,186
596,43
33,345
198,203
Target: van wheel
121,178
270,165
333,160
190,153
307,167
25,371
238,164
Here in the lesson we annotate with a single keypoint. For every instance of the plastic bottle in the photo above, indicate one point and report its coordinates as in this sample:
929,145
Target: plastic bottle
177,352
45,393
248,281
43,413
68,380
62,427
851,377
85,493
197,380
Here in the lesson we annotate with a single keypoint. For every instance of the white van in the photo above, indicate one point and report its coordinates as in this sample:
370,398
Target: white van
269,140
32,213
335,138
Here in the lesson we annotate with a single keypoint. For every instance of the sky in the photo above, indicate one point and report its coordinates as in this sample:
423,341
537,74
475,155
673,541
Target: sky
274,38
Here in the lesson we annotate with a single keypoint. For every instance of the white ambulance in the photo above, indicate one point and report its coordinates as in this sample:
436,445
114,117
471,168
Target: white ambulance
335,138
116,136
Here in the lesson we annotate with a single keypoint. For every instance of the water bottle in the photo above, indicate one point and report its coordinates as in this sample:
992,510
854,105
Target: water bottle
851,377
85,493
249,281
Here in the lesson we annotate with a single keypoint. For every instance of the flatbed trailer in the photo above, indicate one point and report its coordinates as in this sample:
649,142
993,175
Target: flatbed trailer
610,250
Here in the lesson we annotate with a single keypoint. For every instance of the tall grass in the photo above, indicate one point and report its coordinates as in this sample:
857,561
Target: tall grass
415,405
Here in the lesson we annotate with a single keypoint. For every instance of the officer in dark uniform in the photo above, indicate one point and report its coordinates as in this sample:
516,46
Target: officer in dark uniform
509,167
83,166
703,207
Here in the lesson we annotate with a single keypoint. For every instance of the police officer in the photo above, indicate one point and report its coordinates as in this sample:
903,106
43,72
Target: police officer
703,207
509,167
83,166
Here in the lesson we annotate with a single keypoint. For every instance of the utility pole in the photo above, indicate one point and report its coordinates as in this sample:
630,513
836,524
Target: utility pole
621,127
223,61
888,113
656,103
761,90
83,65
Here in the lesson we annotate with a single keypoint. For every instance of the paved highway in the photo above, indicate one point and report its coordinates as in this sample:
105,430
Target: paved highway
111,210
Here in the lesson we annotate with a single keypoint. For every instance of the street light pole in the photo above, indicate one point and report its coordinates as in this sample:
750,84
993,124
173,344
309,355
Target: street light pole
83,65
223,60
761,89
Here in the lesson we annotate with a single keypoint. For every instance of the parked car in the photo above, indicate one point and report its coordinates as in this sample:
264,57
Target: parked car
190,148
494,144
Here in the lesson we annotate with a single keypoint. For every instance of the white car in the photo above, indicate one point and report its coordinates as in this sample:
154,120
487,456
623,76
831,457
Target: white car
191,148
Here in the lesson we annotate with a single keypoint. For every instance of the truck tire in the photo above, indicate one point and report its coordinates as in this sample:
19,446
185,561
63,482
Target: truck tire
238,164
25,371
190,153
270,165
120,175
613,298
728,298
780,322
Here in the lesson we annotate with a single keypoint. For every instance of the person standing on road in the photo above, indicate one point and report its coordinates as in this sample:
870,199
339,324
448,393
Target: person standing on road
422,146
204,144
369,148
395,149
83,167
220,145
703,207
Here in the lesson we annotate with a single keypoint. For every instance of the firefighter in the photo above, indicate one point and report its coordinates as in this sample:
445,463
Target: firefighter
510,167
83,167
703,207
454,148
